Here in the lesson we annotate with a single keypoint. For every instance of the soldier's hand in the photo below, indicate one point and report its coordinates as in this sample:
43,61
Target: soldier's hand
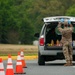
62,20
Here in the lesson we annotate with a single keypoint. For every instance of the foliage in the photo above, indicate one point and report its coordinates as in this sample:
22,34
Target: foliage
71,11
20,19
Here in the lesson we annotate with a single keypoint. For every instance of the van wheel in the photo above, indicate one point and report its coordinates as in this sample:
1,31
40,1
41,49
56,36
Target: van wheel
41,60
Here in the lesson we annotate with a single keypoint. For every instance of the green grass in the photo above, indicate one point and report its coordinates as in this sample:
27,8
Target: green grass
16,55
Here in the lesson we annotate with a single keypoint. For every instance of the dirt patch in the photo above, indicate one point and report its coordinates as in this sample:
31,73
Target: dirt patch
6,49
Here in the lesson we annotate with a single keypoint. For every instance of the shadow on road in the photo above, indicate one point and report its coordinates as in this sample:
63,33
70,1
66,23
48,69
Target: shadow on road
55,64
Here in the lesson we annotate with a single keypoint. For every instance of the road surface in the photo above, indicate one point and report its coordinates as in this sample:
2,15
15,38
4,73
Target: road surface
51,68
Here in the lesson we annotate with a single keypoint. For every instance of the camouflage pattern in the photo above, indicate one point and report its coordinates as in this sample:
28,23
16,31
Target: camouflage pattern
67,51
66,41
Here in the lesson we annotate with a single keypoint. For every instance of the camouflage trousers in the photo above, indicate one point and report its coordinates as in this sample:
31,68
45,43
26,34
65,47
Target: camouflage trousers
68,52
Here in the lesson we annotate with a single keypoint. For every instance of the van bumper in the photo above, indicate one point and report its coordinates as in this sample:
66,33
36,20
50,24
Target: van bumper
52,52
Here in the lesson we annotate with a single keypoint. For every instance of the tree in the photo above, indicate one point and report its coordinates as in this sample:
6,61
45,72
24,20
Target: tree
13,17
71,11
20,19
43,8
26,32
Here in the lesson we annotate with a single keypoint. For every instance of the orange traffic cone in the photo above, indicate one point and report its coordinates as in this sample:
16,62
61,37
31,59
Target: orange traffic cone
22,59
19,68
9,70
1,67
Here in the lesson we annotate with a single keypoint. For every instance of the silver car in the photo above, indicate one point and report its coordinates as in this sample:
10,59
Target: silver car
49,47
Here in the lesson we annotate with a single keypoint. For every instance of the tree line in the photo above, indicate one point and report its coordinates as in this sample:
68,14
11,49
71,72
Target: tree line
20,19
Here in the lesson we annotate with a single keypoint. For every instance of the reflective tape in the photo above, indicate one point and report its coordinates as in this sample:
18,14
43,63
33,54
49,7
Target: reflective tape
9,60
22,53
9,67
1,66
18,57
2,73
19,63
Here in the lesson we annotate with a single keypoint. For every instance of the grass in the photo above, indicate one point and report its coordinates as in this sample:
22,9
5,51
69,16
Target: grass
29,50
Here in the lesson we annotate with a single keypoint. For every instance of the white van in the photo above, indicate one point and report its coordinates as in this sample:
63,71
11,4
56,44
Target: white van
49,47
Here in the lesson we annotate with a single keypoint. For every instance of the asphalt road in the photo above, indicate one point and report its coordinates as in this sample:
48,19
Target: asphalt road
51,68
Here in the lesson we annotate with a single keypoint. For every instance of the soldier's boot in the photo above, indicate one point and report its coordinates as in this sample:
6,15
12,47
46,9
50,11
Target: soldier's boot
71,63
68,63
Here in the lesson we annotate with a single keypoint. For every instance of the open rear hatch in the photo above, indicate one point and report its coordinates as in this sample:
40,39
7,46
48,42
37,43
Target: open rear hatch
53,37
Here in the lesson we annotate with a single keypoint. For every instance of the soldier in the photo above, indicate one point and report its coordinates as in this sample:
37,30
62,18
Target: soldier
66,40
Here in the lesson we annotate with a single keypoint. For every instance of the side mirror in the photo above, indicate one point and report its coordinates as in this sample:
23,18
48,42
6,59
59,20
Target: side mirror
36,35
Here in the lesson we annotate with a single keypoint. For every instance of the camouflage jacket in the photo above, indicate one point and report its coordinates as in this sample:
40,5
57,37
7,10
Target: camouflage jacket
66,34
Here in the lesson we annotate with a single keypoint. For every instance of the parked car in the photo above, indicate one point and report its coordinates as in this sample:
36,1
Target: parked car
49,47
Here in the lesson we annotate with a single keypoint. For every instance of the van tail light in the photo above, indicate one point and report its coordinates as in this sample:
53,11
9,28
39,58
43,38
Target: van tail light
41,41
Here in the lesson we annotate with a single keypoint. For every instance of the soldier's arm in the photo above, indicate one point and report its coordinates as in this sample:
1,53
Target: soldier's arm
71,26
59,27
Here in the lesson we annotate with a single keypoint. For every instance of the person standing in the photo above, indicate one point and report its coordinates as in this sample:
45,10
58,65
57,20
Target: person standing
66,40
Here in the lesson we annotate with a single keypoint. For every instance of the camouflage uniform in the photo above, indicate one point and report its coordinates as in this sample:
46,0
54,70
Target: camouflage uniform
67,42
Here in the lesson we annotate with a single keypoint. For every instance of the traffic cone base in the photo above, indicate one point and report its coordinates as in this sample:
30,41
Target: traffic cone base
24,64
20,73
9,72
19,69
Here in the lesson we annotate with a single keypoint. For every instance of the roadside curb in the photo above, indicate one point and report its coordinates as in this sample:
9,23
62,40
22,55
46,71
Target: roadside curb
15,57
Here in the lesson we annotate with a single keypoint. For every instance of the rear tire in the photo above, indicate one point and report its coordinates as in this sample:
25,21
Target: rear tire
41,60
